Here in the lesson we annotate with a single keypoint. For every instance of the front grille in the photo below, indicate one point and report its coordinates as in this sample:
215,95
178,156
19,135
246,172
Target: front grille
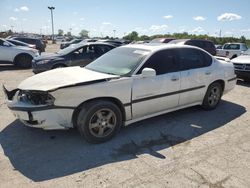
242,67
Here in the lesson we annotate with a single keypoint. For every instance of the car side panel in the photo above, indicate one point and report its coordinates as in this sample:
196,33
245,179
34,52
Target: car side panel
76,95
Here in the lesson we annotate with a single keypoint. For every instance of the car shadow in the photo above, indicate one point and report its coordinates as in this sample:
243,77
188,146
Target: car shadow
10,67
243,83
44,155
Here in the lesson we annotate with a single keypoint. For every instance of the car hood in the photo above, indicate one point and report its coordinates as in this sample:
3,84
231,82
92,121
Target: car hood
63,77
242,59
47,56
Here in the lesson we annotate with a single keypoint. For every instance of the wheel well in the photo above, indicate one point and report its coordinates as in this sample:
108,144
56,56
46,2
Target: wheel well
22,54
111,99
221,82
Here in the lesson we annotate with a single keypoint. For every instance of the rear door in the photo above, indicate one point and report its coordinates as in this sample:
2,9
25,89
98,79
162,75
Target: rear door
158,93
196,72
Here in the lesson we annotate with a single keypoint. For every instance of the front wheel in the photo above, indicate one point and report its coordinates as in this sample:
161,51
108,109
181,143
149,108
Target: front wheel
99,121
212,97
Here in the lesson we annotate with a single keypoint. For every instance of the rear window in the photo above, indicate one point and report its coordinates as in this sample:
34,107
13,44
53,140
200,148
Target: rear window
193,58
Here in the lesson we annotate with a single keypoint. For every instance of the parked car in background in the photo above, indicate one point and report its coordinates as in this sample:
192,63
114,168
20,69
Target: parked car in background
17,55
19,43
116,43
40,46
74,55
232,50
125,85
204,44
66,44
218,46
242,65
161,40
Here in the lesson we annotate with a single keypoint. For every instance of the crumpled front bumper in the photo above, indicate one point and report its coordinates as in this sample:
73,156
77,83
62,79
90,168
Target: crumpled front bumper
48,117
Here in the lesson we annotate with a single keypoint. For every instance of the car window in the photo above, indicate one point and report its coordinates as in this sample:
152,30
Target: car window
190,58
162,62
232,47
207,59
104,48
80,52
120,61
1,42
244,47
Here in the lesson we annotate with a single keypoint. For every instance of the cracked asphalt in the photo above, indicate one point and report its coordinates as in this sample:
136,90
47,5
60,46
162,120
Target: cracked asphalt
186,148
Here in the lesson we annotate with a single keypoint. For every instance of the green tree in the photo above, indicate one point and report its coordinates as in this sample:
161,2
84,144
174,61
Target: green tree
60,32
133,36
243,39
68,34
84,33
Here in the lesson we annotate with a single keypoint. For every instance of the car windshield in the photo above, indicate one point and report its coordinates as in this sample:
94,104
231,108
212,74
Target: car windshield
68,50
120,61
247,52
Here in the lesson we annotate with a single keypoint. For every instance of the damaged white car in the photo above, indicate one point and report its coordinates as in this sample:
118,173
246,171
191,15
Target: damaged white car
127,84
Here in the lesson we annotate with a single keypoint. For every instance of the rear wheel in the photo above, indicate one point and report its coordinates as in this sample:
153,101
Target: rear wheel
213,96
23,60
99,121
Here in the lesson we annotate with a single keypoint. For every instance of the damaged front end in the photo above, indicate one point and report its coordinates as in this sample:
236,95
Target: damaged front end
37,109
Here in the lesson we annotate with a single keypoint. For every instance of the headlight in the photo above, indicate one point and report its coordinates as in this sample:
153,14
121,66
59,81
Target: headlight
42,62
36,97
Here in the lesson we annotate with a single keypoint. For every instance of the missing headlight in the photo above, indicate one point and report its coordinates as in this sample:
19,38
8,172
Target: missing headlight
36,97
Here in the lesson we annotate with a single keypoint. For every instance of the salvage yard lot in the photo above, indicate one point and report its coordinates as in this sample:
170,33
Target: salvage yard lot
187,148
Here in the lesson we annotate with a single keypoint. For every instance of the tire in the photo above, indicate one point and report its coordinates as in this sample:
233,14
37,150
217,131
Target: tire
99,121
23,60
213,96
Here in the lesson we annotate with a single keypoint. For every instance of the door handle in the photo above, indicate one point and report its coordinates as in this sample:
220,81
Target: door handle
208,73
174,78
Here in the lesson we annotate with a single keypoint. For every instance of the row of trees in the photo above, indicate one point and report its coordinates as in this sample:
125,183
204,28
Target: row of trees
83,34
134,36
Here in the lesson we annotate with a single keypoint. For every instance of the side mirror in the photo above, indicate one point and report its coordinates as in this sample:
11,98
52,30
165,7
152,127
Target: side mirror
148,72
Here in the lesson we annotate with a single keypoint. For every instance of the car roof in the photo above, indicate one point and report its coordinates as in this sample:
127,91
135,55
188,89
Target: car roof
91,43
234,43
158,46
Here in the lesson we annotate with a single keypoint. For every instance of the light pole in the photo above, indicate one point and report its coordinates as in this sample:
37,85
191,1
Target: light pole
114,33
51,11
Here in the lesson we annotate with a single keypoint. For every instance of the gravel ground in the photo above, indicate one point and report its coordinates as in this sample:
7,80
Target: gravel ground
187,148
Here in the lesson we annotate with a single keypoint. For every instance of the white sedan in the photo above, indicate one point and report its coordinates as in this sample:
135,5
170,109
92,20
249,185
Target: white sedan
18,55
128,84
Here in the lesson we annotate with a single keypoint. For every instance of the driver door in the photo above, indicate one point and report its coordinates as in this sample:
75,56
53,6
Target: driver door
157,93
83,56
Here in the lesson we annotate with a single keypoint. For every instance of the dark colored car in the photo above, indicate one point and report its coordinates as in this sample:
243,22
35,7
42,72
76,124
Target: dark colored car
66,44
40,46
20,43
74,55
161,40
204,44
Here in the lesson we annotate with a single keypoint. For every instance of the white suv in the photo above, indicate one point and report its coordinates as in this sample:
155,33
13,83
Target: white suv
18,55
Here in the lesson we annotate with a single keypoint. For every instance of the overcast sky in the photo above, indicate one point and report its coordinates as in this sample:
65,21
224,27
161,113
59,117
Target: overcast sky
148,17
